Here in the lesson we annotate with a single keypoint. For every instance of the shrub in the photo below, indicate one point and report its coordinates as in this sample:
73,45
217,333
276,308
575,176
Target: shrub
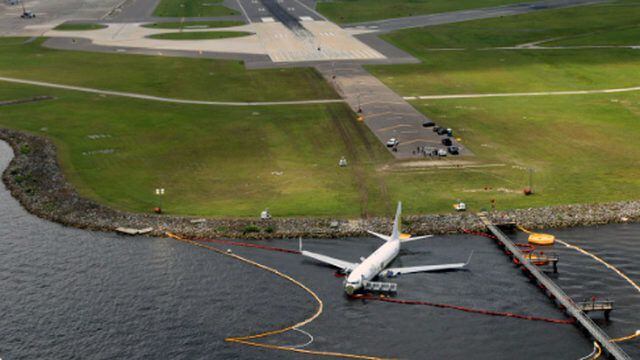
25,149
251,229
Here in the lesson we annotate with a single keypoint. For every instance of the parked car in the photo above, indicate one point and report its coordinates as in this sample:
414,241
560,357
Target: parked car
442,152
447,142
28,15
453,150
436,128
428,123
442,131
392,142
449,132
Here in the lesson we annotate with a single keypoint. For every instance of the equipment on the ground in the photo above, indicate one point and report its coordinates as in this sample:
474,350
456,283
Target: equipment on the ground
26,14
460,206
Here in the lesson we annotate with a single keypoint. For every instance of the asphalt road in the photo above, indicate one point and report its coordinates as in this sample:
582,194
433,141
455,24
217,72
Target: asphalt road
262,10
49,14
386,113
388,25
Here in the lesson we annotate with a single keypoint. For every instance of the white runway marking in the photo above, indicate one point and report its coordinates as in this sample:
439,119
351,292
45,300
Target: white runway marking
244,12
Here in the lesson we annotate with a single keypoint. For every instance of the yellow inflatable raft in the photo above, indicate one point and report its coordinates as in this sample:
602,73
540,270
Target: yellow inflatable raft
542,239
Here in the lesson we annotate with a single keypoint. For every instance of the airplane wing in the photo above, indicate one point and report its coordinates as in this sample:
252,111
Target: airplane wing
383,237
341,264
415,238
424,268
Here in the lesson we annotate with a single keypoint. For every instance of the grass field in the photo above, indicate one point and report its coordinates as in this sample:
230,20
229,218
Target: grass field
211,160
224,161
201,79
229,161
193,24
475,70
199,35
582,148
350,11
79,27
622,36
192,8
582,21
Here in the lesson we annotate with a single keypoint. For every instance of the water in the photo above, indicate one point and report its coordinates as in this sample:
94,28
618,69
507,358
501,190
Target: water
72,294
583,278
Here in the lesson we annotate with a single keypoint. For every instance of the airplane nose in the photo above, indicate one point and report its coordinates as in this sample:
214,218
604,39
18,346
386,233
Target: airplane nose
349,289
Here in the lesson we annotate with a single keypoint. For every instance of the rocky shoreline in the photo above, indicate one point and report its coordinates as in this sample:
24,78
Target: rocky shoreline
35,179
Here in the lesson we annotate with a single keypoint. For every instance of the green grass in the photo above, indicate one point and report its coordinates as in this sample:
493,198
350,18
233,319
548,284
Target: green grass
212,161
193,24
581,147
476,70
351,11
192,8
229,161
520,29
623,36
471,72
79,27
202,79
199,35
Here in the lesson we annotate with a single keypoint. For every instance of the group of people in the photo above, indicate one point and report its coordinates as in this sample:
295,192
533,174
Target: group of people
425,151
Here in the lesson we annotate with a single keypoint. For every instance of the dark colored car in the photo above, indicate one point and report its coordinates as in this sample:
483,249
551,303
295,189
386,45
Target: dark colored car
453,150
428,123
447,142
442,131
436,128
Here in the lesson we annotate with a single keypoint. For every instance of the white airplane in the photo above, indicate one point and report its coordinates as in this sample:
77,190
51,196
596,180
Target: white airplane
360,274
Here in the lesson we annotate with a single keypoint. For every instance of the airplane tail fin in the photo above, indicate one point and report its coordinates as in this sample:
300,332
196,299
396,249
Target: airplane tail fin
395,235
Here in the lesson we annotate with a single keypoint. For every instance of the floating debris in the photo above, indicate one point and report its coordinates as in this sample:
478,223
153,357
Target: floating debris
131,231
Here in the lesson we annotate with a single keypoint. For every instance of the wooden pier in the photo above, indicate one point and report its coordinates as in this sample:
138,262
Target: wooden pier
555,292
587,306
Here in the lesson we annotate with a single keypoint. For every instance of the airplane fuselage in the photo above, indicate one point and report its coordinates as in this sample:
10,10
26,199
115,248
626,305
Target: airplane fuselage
372,266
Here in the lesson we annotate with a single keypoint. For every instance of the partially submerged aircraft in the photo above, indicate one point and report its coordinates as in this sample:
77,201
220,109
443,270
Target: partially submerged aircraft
361,274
